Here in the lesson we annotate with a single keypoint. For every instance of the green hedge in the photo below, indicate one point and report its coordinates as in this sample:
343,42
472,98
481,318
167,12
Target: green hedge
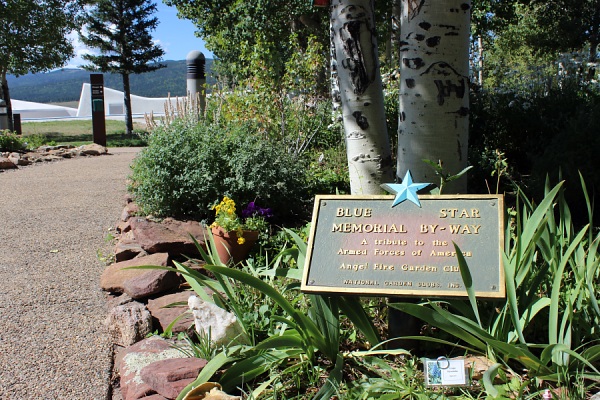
187,168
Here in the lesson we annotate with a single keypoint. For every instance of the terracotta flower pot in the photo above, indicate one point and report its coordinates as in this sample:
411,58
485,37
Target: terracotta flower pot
228,247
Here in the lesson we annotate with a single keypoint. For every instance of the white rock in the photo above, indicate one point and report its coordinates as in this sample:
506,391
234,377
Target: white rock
17,159
223,326
93,149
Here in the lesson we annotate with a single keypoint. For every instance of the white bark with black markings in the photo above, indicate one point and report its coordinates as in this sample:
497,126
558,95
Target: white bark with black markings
434,89
361,94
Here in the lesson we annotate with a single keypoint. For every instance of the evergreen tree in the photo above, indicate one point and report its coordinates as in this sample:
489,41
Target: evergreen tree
120,29
33,38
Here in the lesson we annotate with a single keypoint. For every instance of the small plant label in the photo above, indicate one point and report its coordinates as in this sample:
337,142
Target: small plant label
374,245
444,372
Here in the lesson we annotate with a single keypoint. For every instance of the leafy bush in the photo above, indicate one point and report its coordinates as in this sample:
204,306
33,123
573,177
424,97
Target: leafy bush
539,129
10,142
328,172
36,140
187,168
571,151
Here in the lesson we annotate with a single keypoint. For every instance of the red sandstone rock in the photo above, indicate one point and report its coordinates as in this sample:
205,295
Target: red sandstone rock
115,275
5,163
129,211
127,249
170,236
150,283
133,359
165,316
170,377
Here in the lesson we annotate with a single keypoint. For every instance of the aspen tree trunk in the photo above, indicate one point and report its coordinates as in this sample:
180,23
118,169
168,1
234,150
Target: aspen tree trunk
434,107
480,61
361,94
335,85
434,89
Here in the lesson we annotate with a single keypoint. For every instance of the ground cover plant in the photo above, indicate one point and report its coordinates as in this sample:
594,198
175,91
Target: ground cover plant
248,145
10,142
186,169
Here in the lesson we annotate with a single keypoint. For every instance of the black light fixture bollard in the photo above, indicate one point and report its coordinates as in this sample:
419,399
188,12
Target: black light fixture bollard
196,78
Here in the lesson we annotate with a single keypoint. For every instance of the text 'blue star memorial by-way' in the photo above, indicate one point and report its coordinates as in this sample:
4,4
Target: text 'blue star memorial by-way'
362,245
407,190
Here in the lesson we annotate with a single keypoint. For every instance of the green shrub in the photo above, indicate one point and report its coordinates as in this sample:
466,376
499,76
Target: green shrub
36,140
186,168
537,131
10,142
570,152
328,172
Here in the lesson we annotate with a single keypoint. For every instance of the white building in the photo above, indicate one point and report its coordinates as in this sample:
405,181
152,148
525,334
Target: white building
113,106
114,103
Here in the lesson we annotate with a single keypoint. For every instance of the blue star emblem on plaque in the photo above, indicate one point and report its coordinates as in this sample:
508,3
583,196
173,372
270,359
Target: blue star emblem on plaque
407,190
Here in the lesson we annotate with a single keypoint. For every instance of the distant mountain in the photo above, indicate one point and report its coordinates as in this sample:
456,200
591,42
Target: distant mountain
65,84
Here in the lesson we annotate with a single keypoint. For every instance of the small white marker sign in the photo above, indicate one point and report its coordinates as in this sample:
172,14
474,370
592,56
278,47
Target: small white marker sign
444,372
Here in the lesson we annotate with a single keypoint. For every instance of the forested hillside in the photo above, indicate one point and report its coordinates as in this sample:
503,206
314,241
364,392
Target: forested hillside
65,84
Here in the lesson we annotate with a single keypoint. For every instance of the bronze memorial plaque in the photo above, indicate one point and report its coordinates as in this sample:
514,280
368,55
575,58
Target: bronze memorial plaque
363,245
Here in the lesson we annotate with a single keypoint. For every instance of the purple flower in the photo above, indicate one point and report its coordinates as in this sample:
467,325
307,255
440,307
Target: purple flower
252,210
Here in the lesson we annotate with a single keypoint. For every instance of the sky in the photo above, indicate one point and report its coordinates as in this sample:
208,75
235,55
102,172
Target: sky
174,35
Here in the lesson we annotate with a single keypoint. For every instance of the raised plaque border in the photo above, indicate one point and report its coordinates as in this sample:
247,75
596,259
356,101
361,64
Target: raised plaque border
421,293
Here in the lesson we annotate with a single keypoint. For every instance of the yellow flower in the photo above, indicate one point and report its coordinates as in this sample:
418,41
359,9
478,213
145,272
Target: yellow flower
241,240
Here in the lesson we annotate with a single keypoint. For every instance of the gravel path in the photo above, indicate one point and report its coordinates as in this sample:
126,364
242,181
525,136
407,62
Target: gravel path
54,218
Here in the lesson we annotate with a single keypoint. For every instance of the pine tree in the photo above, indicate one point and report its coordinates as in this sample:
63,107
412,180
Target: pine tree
120,29
34,38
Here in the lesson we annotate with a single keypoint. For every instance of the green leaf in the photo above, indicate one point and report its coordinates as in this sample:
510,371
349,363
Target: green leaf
458,175
207,372
249,368
326,315
302,247
488,380
307,328
553,323
465,273
353,309
290,338
334,379
435,318
197,281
